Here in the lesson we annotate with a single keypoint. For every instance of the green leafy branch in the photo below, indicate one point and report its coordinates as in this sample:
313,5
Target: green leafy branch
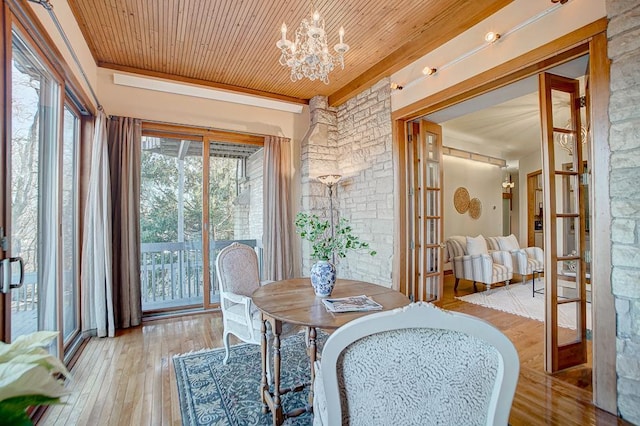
317,231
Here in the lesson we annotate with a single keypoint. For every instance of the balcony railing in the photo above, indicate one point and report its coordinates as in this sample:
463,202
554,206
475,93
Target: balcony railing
171,273
170,276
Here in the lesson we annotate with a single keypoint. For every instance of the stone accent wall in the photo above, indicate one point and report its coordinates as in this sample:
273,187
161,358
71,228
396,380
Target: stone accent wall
624,139
319,157
353,140
366,192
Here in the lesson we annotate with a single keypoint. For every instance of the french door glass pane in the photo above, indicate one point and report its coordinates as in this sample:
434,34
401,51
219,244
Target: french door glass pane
235,201
171,223
34,189
69,220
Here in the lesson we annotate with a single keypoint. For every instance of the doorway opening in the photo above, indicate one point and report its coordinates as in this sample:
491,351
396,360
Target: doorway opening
506,124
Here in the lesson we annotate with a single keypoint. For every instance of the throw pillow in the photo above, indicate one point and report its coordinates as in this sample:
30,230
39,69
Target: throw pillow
477,245
508,243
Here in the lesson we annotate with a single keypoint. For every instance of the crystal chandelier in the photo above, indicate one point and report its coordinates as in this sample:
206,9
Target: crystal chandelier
309,56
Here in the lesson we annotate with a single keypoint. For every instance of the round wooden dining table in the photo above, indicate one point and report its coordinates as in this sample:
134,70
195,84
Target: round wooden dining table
293,301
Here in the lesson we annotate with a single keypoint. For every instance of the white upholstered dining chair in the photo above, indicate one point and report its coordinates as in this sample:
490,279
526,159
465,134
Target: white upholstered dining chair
413,366
238,277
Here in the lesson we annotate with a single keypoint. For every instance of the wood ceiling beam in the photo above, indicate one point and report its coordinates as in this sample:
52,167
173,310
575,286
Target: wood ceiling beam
211,84
433,35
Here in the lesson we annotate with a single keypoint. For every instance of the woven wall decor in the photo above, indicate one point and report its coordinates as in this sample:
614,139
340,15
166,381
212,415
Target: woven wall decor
461,200
475,208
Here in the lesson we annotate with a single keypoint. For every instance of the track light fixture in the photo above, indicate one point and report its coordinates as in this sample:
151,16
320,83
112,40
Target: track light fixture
395,86
491,37
429,71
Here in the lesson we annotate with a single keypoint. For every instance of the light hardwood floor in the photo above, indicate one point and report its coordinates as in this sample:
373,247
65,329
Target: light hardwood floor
130,380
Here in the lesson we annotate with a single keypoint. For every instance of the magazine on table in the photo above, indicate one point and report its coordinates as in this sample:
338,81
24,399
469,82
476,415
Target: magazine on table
352,304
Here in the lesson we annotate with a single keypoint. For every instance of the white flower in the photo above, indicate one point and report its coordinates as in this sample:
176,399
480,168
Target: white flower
26,368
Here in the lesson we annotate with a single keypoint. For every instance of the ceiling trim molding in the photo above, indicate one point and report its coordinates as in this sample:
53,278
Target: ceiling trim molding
413,50
169,86
474,156
210,84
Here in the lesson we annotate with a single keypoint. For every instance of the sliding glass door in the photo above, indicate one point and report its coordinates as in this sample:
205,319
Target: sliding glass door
33,270
39,249
69,225
234,202
171,223
197,191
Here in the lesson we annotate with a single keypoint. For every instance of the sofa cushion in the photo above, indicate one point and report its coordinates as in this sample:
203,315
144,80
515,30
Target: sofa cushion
493,243
508,243
477,245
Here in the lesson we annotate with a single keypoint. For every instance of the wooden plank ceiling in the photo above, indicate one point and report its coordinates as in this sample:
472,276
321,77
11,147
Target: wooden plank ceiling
231,43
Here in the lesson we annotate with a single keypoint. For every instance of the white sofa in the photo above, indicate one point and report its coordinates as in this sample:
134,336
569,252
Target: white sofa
525,260
472,260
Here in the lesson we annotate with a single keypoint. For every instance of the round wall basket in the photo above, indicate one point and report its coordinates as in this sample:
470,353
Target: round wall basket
461,200
475,208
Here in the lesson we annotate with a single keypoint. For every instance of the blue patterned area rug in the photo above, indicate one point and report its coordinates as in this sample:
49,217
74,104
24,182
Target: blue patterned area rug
214,394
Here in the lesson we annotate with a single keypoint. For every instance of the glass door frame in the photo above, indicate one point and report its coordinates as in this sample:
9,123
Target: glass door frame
150,129
67,343
207,136
562,354
13,26
421,246
14,16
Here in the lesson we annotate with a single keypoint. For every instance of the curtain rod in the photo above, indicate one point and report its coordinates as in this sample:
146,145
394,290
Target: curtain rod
49,7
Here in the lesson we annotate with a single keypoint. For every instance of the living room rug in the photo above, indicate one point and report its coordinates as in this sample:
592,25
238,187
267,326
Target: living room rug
214,394
517,299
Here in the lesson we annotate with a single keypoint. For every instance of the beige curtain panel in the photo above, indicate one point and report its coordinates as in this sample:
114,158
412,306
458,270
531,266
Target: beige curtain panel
125,136
278,257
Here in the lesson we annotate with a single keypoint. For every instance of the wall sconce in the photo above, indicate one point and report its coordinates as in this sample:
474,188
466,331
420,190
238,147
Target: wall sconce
429,71
491,37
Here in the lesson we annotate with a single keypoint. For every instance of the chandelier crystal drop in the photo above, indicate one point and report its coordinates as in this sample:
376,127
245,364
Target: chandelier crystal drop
308,55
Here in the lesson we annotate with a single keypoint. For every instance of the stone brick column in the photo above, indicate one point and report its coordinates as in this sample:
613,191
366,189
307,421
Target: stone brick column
319,156
624,139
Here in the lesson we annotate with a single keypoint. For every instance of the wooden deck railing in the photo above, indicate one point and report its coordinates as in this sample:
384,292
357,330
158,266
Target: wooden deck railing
171,272
25,298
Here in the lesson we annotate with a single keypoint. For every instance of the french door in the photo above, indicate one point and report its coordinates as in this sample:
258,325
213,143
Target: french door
39,267
424,216
565,182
